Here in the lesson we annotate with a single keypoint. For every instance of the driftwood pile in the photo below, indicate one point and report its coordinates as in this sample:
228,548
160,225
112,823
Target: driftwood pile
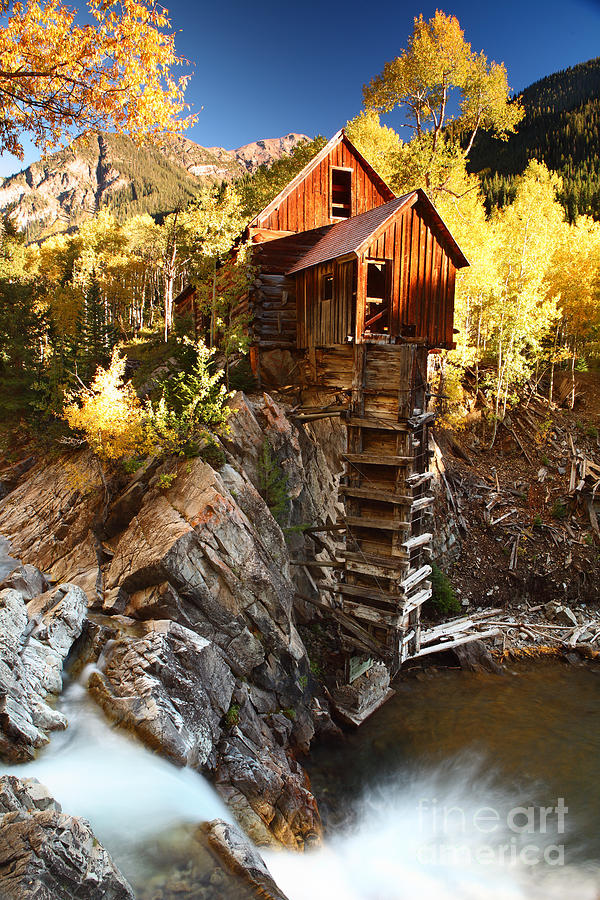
549,624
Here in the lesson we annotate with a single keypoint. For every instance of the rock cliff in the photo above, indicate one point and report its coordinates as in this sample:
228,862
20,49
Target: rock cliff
191,628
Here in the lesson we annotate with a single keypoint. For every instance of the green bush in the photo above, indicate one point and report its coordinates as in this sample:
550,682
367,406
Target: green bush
241,377
272,483
444,598
232,716
192,403
165,481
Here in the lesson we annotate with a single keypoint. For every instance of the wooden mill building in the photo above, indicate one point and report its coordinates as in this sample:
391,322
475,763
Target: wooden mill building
354,288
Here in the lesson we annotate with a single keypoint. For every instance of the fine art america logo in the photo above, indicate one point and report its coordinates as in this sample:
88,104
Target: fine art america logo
526,835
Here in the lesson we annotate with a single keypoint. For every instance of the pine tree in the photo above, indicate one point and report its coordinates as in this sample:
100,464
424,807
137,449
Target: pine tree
96,336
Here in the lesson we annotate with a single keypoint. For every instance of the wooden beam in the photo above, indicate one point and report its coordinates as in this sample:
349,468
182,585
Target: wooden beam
419,478
367,593
422,503
368,493
376,522
379,424
375,459
367,568
416,601
418,541
448,645
388,562
415,578
384,618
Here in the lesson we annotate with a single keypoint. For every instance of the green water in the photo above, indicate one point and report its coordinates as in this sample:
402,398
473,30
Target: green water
531,735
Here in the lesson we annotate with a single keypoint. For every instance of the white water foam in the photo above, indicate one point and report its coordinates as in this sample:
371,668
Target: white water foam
127,792
399,849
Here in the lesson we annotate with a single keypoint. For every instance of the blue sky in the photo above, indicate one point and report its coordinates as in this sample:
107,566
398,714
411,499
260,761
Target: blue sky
268,67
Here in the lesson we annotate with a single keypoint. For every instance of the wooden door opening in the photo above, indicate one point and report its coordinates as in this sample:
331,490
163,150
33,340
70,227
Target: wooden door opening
378,300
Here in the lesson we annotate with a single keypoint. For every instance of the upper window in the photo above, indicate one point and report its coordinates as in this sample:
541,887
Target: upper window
341,193
327,287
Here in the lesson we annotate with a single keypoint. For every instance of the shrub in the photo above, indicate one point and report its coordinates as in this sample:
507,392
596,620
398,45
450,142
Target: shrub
444,598
272,482
559,510
166,480
232,716
108,414
191,404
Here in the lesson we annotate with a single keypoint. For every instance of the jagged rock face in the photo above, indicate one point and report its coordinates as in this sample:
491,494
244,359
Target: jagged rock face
241,857
194,628
48,519
171,687
34,642
310,476
261,153
209,552
45,855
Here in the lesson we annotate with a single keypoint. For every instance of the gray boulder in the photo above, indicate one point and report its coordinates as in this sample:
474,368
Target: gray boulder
35,640
239,856
171,686
47,855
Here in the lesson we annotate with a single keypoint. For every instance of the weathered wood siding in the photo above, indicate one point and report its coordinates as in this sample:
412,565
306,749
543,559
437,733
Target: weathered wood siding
308,205
421,287
324,322
423,277
273,297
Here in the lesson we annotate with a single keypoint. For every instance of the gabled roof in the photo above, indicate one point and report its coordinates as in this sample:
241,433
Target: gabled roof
353,235
315,161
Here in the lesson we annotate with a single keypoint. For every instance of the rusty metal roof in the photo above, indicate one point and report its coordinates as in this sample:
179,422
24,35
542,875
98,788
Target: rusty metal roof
353,234
347,236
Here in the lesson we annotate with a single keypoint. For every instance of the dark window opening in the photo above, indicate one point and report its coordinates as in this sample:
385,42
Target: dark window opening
341,193
377,308
327,288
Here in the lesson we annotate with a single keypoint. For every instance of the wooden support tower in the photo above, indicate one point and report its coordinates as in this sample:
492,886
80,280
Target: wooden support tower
387,507
354,286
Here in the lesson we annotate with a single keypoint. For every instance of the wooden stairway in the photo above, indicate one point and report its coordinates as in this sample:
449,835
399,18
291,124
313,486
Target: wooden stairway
385,579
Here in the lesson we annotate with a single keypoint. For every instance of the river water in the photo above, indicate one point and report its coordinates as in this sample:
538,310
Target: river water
462,787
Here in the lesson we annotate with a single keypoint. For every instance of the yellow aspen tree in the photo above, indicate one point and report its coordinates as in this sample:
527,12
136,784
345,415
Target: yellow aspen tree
109,413
115,71
437,64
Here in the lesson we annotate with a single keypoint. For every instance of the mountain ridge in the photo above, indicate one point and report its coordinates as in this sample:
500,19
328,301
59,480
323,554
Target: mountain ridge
561,128
104,170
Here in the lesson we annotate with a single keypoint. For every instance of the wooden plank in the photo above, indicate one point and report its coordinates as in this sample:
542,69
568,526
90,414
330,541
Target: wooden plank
417,601
376,522
367,568
448,645
419,478
384,618
388,562
415,578
422,503
366,593
380,424
417,541
374,459
369,493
